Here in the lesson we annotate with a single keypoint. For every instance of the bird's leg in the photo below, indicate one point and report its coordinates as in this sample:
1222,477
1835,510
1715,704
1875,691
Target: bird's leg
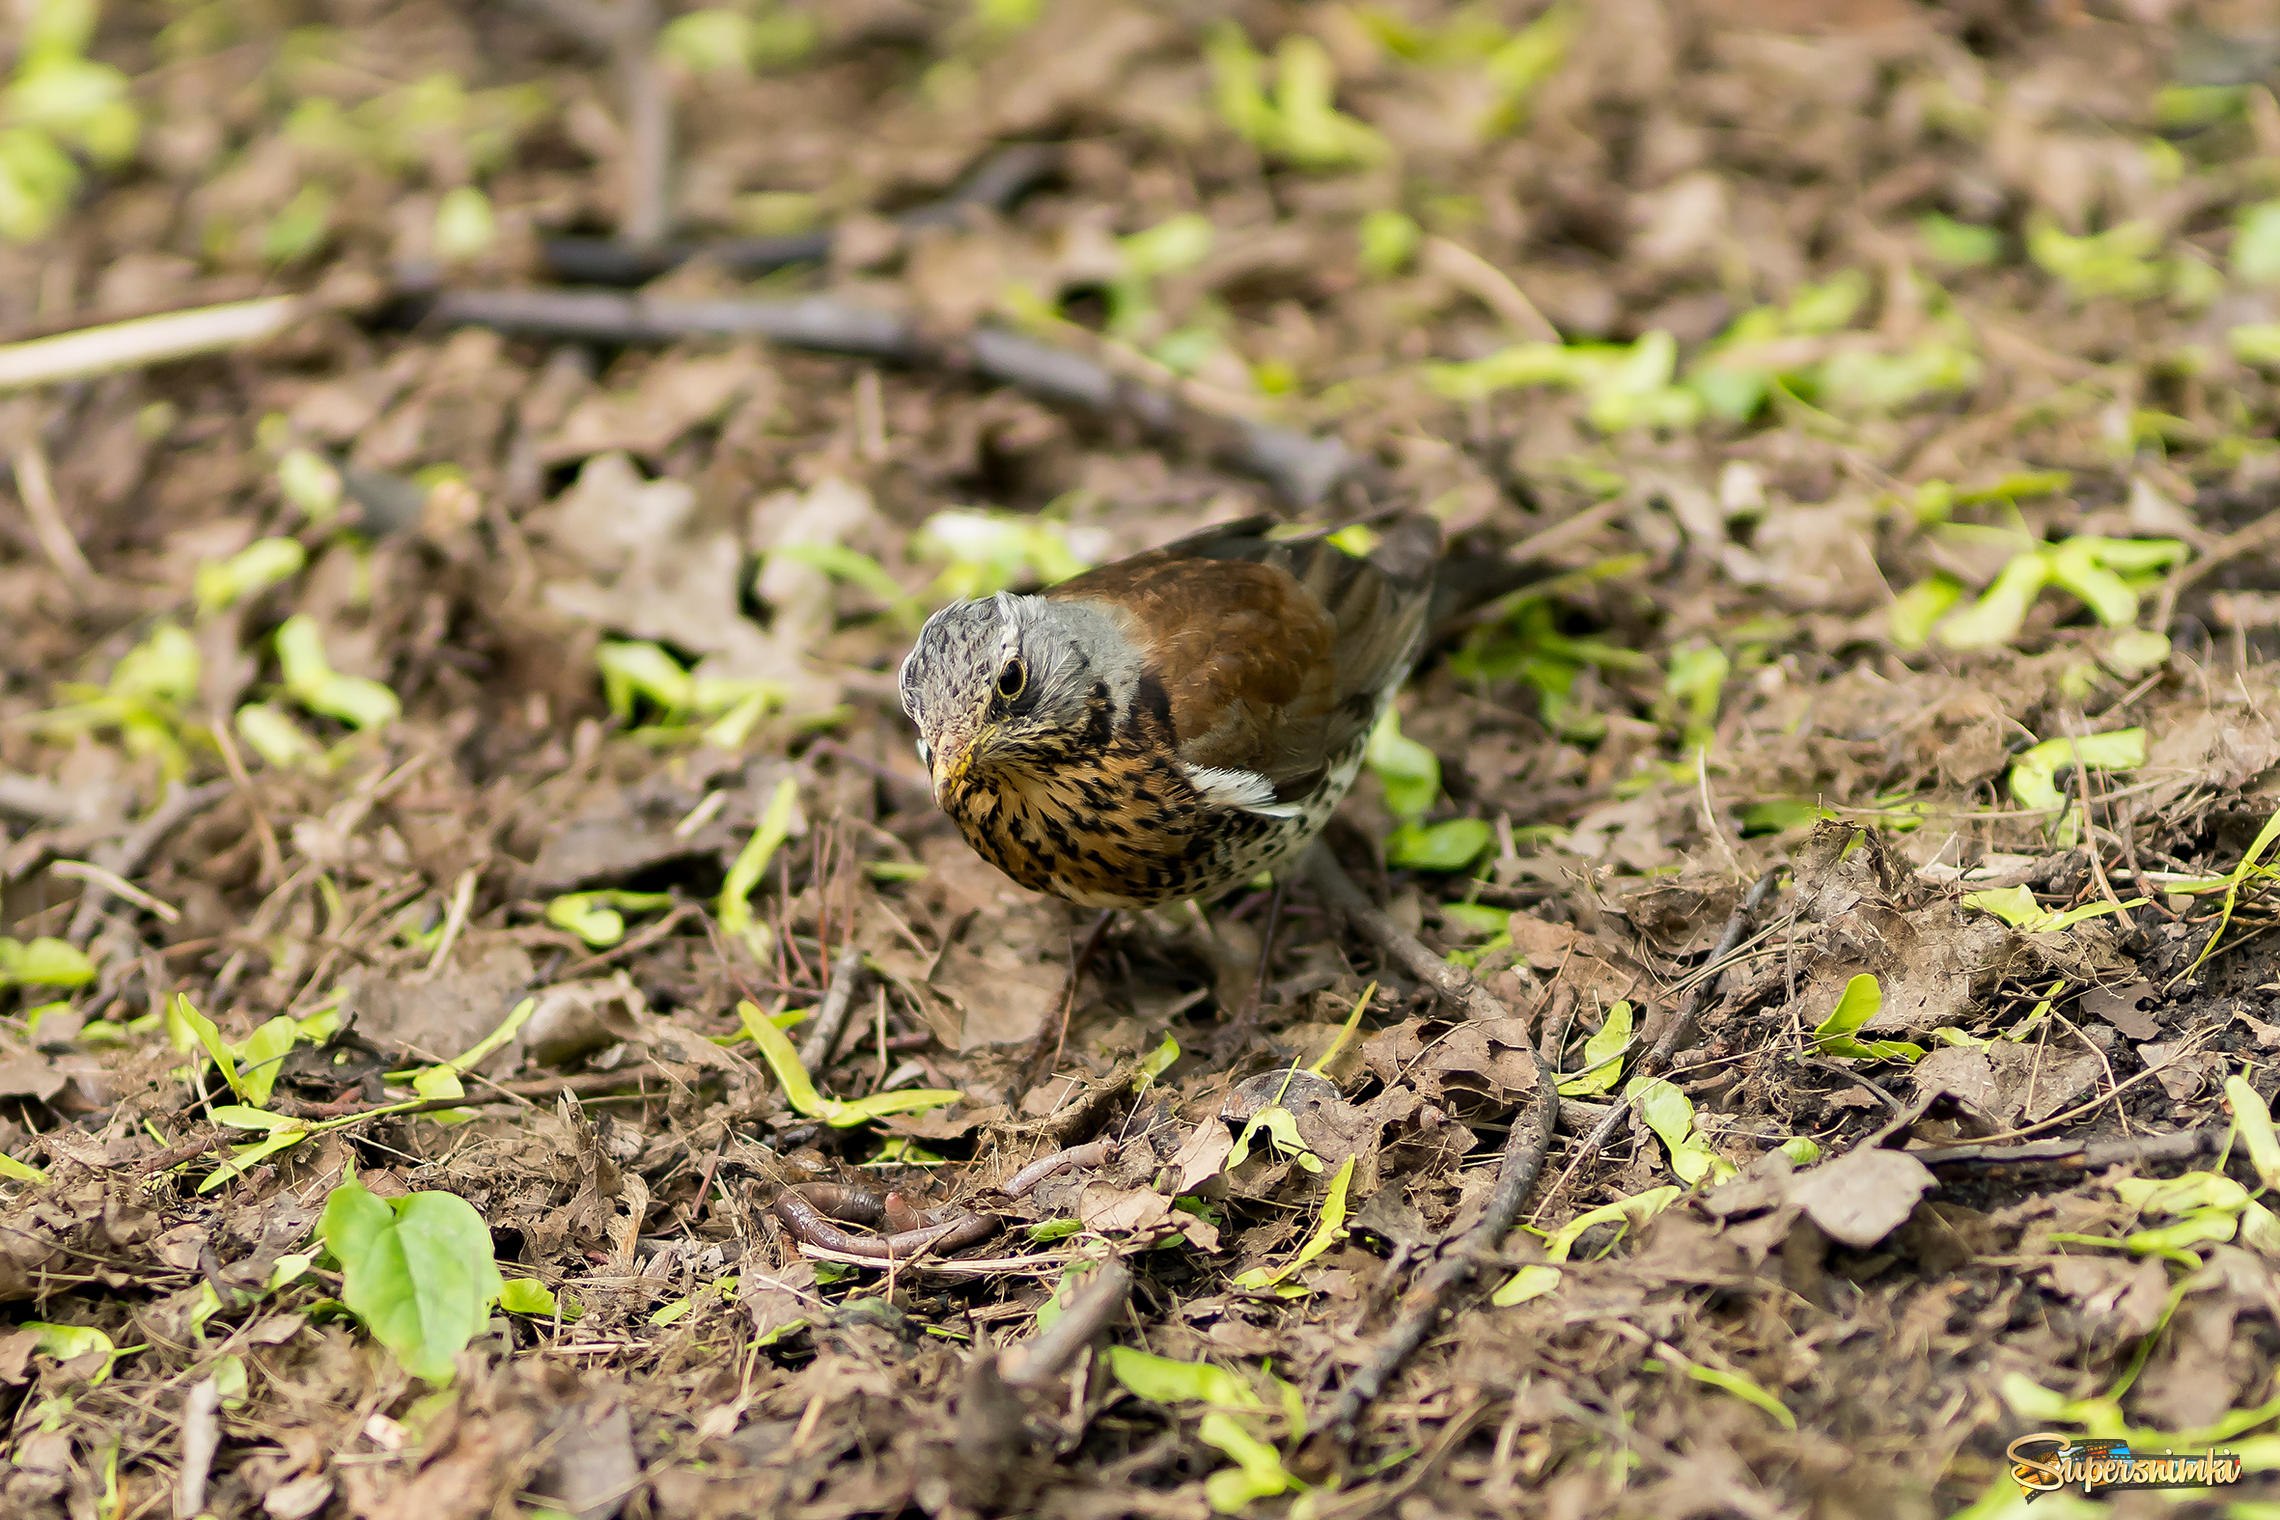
1250,1013
1080,955
1237,1032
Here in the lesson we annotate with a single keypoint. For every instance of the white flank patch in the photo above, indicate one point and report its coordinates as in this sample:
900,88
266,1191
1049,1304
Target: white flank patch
1248,790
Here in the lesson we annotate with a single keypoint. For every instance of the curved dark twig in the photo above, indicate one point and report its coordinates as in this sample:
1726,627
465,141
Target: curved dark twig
1525,1147
1302,468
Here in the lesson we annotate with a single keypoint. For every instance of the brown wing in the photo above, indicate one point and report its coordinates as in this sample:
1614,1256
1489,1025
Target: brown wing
1273,656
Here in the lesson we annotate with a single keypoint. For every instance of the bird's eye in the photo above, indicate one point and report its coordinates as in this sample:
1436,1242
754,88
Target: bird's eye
1011,678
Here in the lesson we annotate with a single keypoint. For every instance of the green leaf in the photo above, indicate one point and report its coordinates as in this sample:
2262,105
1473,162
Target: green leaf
1537,1280
1450,845
243,1158
2253,1120
858,569
1602,1064
237,1116
44,962
2017,907
1916,609
1389,241
188,1027
417,1270
2255,343
2256,244
800,1090
1742,1388
219,585
1409,772
1958,245
2001,611
751,863
20,1171
465,226
68,1343
1160,1380
644,671
310,680
1856,1005
276,738
1156,1063
528,1296
1329,1229
308,481
1280,1126
598,918
1670,1114
259,1055
1258,1472
2034,774
2251,866
2076,565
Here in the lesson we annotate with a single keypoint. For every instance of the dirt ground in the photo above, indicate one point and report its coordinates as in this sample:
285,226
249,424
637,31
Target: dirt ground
1878,393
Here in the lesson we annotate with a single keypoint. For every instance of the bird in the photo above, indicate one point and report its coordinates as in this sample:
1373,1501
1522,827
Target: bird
1171,725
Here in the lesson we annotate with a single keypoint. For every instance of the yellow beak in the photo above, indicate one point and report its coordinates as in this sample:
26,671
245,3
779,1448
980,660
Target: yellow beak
951,762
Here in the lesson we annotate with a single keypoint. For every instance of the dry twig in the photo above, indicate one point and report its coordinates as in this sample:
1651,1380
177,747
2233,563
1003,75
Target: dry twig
126,856
1044,1355
1524,1147
822,1041
2083,1155
144,341
1300,467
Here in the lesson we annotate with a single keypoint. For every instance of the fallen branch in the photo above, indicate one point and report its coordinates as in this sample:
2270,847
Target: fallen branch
2083,1155
1046,1354
996,184
141,342
1524,1147
125,857
1301,468
1675,1036
822,1042
1397,944
532,1090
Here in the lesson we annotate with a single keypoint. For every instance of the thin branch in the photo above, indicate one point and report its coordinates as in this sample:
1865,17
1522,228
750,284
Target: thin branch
1302,468
1044,1355
1524,1147
36,488
822,1042
2083,1155
125,857
144,341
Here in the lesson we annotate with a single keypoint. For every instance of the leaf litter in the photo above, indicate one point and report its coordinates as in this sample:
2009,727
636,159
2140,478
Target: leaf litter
440,772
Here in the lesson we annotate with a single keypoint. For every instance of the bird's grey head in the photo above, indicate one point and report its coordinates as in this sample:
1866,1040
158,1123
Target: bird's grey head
1007,682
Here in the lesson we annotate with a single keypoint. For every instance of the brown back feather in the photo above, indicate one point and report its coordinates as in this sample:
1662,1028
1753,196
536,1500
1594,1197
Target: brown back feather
1272,655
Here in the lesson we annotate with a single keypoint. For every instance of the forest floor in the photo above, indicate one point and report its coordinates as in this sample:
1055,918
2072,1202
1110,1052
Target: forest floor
419,740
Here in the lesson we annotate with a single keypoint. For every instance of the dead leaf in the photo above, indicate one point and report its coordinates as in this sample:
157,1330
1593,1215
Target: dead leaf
1862,1196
